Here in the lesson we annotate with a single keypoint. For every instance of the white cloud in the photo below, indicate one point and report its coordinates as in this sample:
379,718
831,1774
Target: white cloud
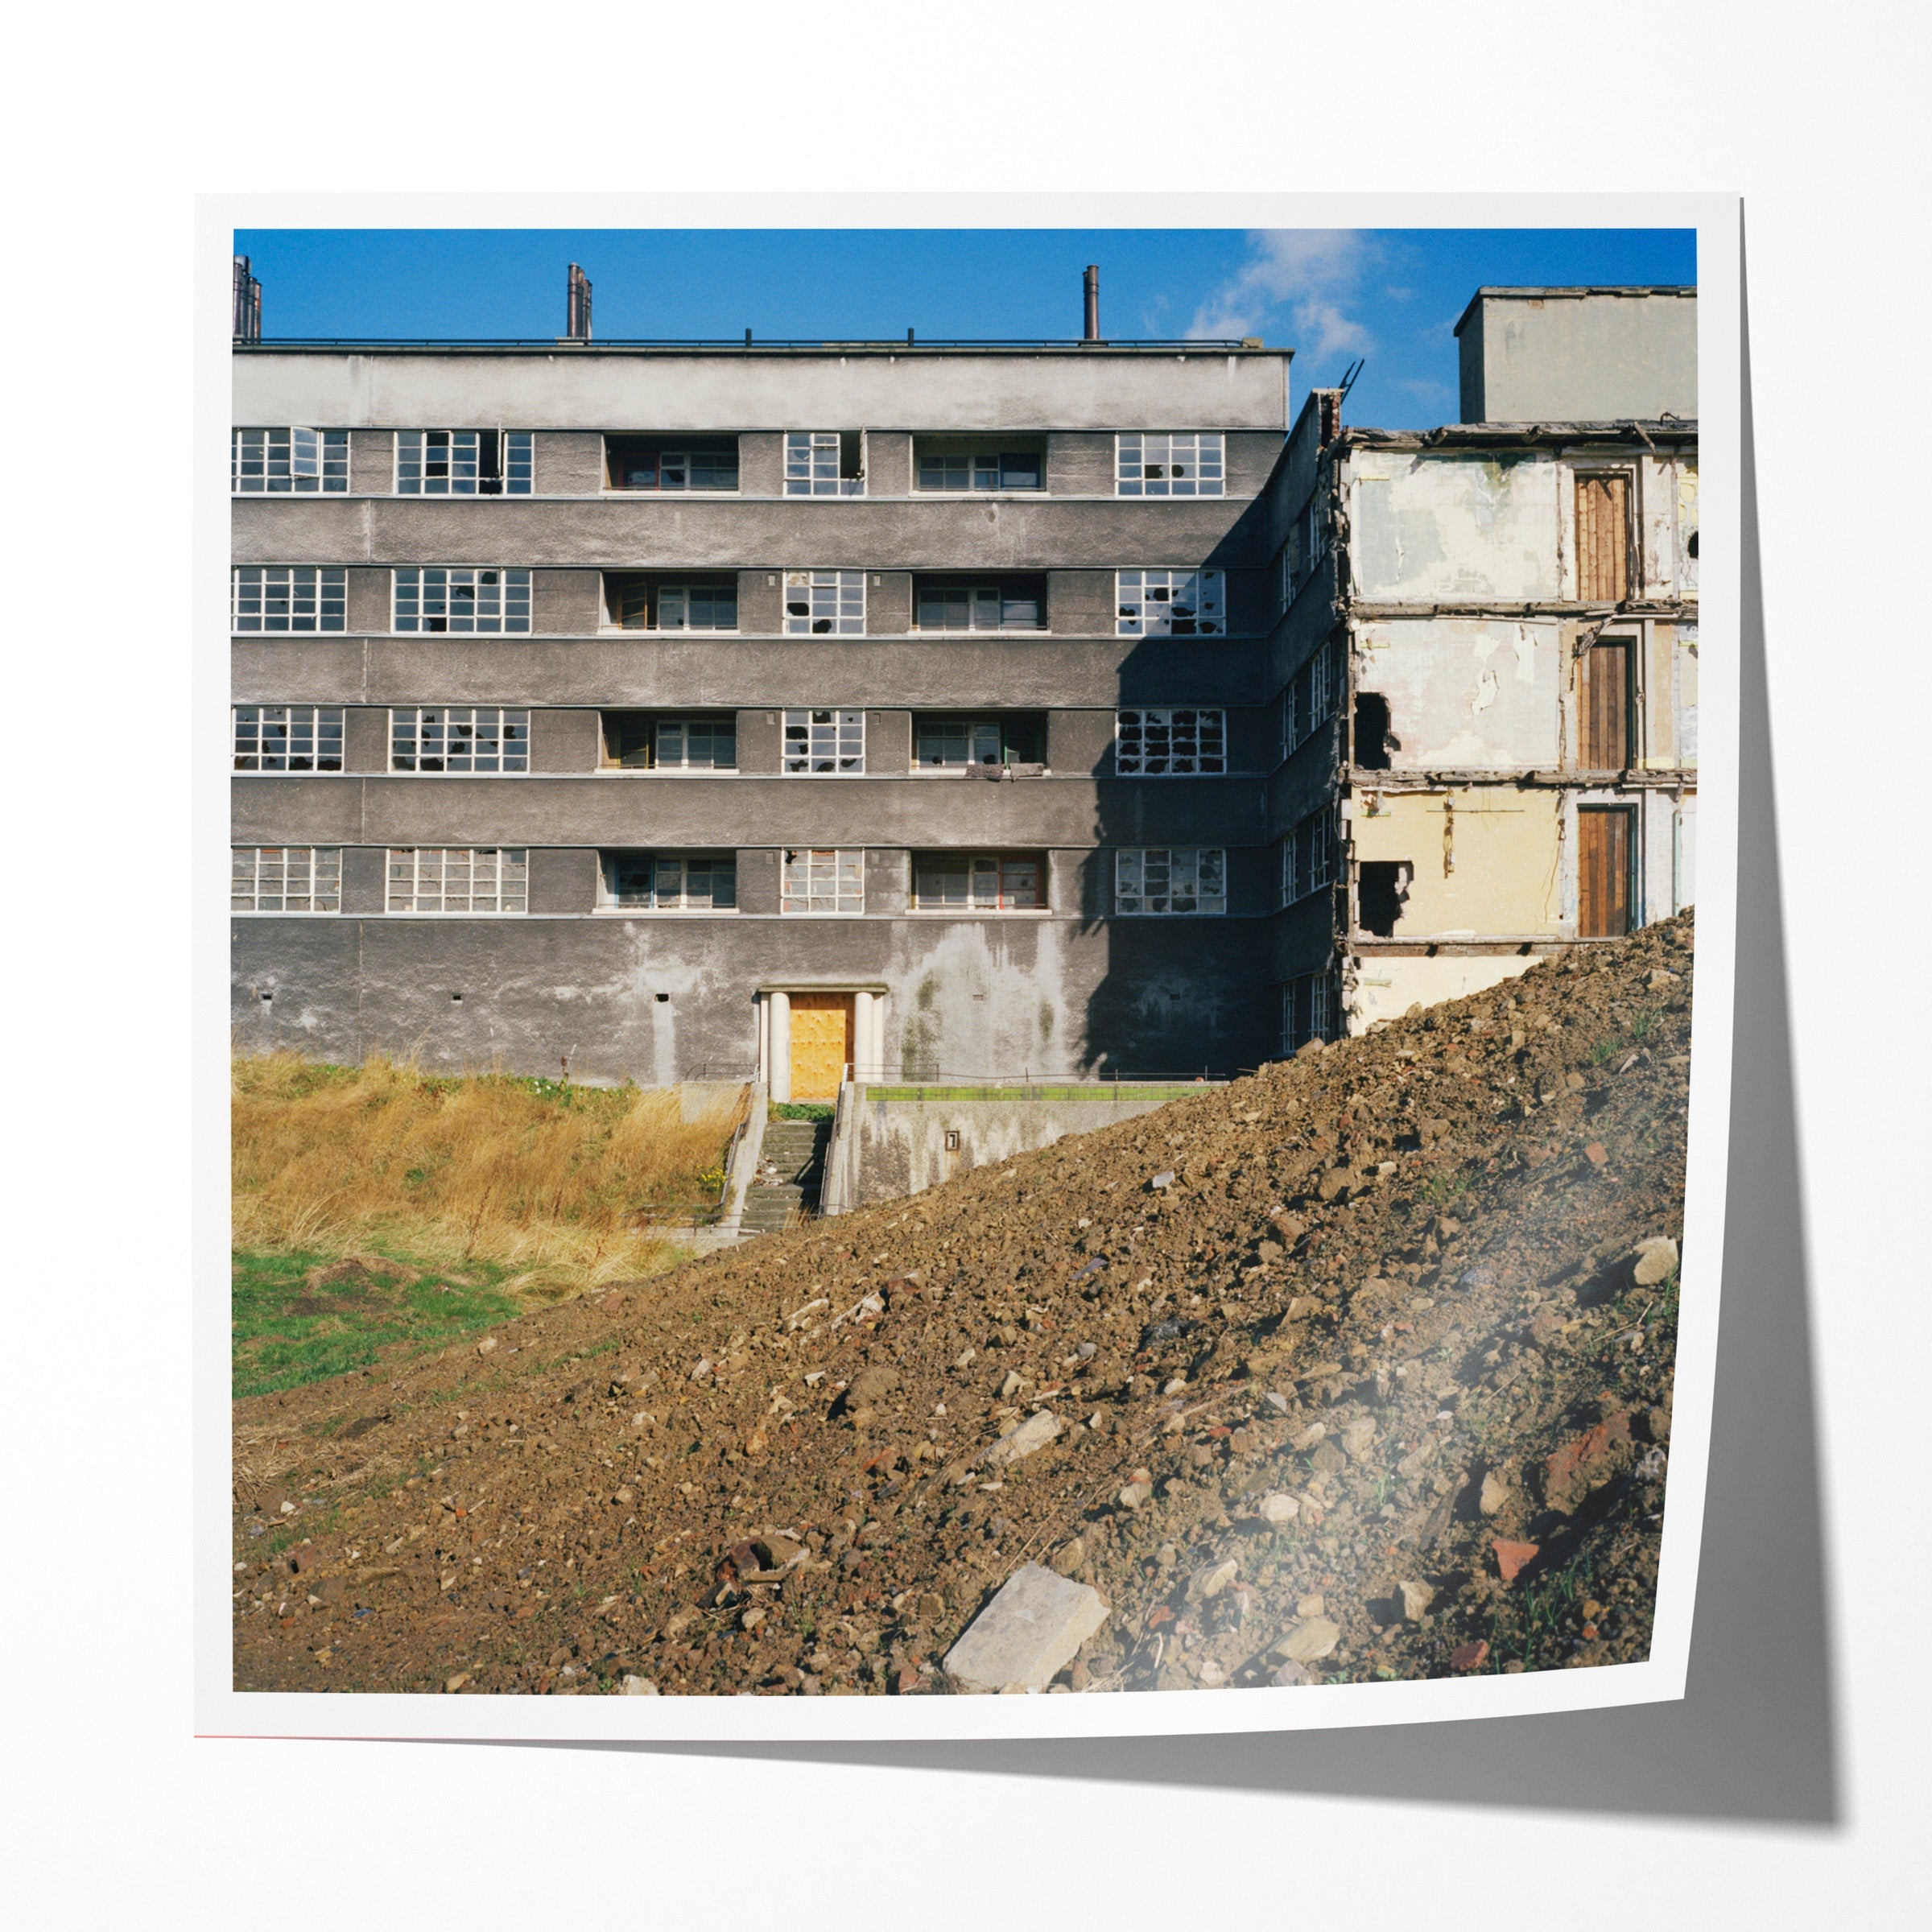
1309,273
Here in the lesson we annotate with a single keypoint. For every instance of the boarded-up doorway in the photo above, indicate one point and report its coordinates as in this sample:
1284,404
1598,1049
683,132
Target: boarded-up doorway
1605,698
1603,538
821,1043
1605,851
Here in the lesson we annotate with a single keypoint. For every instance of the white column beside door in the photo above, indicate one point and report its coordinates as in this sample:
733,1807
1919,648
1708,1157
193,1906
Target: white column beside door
864,1021
779,1051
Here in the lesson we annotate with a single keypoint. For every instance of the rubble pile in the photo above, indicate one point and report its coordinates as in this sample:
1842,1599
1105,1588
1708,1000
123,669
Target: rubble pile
1357,1368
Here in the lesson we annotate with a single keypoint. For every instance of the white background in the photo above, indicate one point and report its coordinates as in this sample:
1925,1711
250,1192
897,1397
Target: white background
1788,1789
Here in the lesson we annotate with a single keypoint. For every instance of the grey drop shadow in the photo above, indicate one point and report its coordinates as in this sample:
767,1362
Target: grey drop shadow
1755,1737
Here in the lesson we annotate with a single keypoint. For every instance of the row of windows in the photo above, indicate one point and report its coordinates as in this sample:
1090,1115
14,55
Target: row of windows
818,463
482,601
1311,696
493,739
1309,854
1148,880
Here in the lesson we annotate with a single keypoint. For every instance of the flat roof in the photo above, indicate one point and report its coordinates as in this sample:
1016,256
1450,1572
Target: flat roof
548,346
1595,288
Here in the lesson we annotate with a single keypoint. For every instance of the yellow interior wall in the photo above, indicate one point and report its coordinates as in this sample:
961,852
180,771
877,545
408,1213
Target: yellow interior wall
1505,879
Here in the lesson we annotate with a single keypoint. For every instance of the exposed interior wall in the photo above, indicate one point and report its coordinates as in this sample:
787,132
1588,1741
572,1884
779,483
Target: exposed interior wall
1385,988
1463,694
1484,861
1434,526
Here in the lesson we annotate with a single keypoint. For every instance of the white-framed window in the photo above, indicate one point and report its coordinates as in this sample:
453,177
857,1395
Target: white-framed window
824,463
1170,744
942,605
287,596
698,606
976,881
436,598
1187,464
820,880
471,738
700,744
1312,695
825,742
1311,852
461,878
947,743
965,470
1162,879
1307,1009
1170,603
664,881
285,878
463,462
287,737
269,462
824,603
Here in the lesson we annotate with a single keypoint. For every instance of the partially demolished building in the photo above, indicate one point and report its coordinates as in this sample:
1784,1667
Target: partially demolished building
940,712
1487,661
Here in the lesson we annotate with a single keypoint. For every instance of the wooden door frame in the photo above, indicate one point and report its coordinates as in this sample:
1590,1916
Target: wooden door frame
1633,812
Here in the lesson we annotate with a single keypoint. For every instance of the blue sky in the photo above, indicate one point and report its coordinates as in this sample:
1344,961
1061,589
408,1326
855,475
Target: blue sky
1391,296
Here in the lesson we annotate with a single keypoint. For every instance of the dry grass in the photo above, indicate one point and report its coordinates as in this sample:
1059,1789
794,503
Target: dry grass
545,1178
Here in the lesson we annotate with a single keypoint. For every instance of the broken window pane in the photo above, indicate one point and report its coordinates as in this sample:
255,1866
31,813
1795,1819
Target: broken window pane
1186,465
1170,744
462,879
696,606
287,737
1160,879
824,463
821,602
469,738
1170,603
463,462
825,881
471,602
700,744
285,878
979,882
288,598
683,464
825,742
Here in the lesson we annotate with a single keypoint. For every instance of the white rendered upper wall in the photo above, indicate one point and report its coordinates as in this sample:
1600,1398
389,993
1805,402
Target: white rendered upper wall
664,389
1536,355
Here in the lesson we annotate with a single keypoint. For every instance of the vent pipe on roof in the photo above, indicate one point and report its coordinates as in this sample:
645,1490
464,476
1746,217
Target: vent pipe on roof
247,303
576,320
1092,280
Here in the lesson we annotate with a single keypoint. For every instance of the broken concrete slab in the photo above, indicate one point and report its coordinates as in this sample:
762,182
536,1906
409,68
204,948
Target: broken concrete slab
1027,1634
1035,1432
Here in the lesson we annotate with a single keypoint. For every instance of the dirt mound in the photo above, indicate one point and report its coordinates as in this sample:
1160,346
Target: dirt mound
1360,1367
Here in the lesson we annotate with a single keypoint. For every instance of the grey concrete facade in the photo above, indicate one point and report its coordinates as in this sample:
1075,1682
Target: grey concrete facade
1534,355
1076,988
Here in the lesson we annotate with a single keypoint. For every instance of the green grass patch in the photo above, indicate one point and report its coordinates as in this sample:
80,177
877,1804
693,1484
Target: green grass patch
286,1333
799,1110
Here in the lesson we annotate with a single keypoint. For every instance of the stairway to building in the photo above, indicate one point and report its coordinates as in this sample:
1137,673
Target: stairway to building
792,1165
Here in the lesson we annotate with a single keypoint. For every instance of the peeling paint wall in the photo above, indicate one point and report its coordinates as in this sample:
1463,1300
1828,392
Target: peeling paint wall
1450,528
1464,694
1485,861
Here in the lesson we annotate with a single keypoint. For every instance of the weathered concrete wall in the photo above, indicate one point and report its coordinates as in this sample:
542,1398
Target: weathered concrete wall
1464,694
658,389
1060,997
1578,355
898,1144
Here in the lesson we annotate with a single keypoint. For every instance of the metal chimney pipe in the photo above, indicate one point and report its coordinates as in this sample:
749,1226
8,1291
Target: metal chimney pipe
1092,281
576,315
247,303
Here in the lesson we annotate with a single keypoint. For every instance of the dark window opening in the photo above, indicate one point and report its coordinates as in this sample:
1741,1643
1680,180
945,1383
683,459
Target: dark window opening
1692,546
1381,891
994,742
1373,739
672,463
686,601
965,603
852,455
649,740
959,464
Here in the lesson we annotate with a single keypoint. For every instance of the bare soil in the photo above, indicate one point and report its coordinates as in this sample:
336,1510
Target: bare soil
1379,1344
